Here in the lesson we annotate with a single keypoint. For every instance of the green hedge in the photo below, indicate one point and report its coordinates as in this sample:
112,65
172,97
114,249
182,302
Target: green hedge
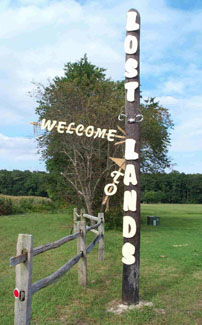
15,205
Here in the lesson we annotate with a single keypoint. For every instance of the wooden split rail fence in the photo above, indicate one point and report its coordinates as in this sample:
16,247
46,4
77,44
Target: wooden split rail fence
24,258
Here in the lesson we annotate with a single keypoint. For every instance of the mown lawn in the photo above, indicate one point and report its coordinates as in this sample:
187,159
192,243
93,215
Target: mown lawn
171,270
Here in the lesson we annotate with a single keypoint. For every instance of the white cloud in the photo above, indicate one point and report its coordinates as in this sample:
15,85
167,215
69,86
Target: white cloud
173,87
187,135
17,148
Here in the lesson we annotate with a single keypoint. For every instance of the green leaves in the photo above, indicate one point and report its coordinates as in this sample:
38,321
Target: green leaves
85,96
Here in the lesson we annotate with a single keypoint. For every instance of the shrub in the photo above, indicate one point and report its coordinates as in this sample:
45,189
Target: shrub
22,204
153,197
6,206
114,218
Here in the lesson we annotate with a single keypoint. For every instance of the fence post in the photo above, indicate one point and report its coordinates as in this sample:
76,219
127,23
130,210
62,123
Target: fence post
75,220
82,212
101,232
81,247
24,281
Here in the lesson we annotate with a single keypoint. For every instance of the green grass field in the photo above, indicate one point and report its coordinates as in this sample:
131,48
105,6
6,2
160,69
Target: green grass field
171,270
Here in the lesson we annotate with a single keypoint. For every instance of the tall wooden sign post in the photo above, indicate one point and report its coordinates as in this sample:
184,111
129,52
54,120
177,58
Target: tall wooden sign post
131,205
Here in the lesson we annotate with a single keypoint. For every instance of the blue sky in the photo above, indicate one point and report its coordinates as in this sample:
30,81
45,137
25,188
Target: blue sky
39,37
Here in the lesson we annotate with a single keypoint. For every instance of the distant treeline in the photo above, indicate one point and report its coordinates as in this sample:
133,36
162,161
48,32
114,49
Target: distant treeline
174,187
19,183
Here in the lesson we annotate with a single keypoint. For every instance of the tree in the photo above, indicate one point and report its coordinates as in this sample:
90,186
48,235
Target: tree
155,136
85,96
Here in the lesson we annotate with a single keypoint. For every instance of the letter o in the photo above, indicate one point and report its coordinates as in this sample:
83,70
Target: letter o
131,44
89,131
108,186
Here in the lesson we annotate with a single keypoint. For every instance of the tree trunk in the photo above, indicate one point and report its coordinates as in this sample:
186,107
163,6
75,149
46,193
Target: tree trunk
89,206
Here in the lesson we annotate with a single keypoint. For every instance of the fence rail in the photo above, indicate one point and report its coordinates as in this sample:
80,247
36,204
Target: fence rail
25,253
43,248
56,275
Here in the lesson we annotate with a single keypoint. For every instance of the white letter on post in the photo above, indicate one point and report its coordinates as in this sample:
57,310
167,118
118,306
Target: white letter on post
129,227
130,153
131,68
130,87
130,201
130,175
131,21
128,251
131,44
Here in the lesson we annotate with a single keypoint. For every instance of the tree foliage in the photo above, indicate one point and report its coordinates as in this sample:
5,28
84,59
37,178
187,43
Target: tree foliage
22,183
84,95
174,187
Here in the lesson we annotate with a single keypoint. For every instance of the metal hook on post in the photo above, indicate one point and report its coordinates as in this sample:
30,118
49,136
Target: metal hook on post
122,116
138,118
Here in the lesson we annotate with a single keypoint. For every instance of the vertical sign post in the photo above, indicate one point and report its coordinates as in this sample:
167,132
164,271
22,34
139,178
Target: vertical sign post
131,204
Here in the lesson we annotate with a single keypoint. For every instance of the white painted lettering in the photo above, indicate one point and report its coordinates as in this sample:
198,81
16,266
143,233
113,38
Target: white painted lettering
131,21
89,131
130,153
47,124
128,252
131,44
130,200
100,133
61,127
129,227
131,68
69,128
130,87
130,175
79,130
110,189
116,174
111,134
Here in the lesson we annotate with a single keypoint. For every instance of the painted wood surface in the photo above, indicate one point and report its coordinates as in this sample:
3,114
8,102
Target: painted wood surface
131,206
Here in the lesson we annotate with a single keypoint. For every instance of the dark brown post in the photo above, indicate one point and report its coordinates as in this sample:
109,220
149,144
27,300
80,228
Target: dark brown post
131,207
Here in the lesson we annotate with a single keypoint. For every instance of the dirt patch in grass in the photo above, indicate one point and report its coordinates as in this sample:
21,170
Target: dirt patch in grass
117,307
197,275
